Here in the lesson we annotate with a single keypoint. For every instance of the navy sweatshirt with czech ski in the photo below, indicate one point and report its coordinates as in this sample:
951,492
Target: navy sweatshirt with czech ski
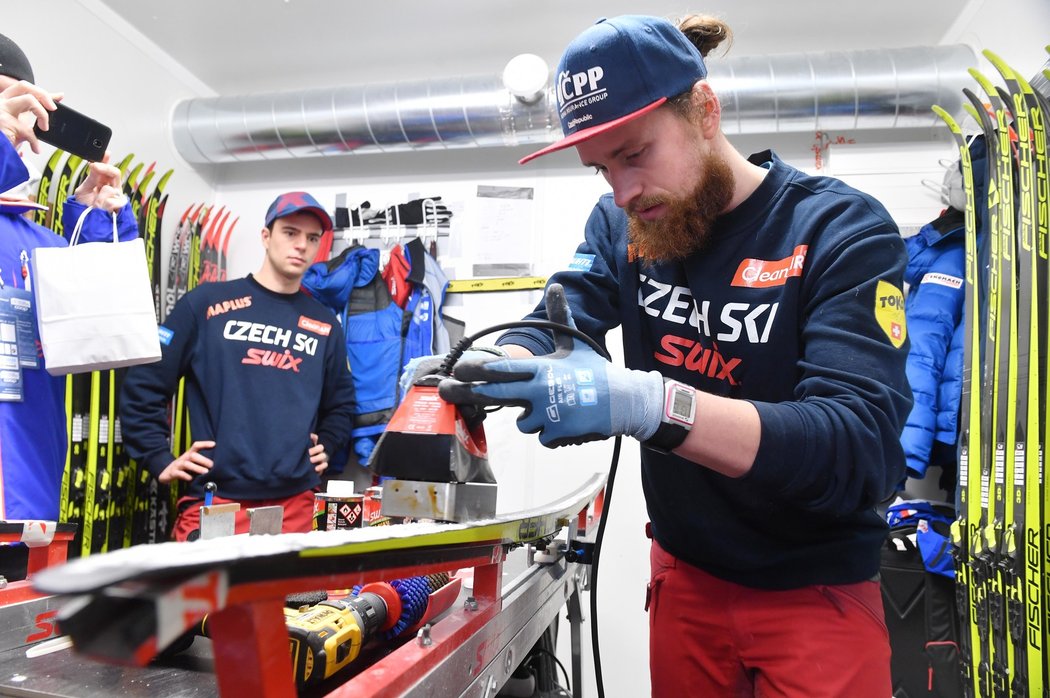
796,306
263,371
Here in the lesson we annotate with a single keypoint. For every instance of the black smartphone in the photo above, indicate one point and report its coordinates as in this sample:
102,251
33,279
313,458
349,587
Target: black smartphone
71,131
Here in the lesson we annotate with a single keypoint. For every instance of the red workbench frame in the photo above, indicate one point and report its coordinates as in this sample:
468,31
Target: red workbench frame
250,638
41,554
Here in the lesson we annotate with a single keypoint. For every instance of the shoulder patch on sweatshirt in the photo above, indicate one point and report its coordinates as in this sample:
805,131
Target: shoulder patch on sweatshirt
581,262
889,312
165,335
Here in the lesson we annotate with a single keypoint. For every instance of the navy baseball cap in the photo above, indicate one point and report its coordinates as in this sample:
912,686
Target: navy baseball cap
13,61
296,202
617,70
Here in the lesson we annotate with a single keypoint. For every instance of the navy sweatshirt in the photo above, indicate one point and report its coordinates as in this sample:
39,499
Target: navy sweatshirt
263,371
796,306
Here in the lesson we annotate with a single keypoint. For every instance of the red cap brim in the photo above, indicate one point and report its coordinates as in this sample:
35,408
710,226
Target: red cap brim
588,133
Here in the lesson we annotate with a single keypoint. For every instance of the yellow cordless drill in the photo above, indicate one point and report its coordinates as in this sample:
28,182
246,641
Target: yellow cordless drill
327,636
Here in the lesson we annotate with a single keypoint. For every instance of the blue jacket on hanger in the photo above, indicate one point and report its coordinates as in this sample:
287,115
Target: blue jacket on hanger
934,309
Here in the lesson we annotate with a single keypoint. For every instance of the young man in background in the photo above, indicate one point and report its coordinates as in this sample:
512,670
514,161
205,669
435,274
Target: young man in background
267,384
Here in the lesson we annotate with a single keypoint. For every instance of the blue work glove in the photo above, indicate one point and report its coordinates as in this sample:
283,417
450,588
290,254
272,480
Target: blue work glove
571,396
425,365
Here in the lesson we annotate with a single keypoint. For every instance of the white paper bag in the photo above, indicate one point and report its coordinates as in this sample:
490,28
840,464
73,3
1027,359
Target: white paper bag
94,304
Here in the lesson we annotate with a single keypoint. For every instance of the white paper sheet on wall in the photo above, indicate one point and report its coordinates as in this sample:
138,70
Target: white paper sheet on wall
502,230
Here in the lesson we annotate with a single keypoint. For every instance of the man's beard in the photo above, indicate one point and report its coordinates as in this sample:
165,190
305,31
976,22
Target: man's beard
685,228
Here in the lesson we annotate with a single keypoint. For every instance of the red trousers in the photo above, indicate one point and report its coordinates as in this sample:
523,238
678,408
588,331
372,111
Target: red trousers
298,513
711,638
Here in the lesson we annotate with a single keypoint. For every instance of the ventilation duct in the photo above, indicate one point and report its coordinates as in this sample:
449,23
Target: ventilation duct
831,91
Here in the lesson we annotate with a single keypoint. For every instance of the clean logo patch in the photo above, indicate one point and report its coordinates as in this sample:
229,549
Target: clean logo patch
889,312
315,326
763,273
165,335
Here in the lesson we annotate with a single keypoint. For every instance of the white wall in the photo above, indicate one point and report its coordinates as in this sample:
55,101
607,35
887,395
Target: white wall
1015,30
132,86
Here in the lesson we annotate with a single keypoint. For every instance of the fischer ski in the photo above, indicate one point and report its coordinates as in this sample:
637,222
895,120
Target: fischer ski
131,180
174,254
78,398
1026,624
1004,410
137,194
150,229
1023,332
225,248
191,240
43,192
101,472
99,465
65,189
1001,537
101,469
984,553
965,532
210,249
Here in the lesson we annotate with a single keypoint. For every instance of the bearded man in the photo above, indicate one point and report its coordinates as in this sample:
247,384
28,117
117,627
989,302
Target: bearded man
765,349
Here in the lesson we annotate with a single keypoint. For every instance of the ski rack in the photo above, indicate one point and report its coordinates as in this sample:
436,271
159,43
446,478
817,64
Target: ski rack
125,606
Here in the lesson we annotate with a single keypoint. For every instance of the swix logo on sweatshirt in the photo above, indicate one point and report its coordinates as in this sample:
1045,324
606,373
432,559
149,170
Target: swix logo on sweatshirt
690,354
285,361
226,306
577,90
763,273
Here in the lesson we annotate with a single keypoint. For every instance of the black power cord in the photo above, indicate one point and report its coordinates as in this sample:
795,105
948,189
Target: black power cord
598,537
539,652
465,343
446,369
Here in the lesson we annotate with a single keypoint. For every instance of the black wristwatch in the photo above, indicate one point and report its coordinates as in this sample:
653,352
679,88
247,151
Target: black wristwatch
676,419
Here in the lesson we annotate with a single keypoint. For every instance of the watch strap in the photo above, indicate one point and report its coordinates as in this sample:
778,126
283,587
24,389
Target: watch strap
667,438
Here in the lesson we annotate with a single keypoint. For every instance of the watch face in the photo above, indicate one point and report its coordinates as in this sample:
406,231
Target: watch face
681,404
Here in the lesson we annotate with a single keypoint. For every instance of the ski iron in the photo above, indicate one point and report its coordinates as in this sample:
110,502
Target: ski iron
434,459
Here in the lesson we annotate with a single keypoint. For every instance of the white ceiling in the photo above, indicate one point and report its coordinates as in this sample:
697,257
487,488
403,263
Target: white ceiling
244,46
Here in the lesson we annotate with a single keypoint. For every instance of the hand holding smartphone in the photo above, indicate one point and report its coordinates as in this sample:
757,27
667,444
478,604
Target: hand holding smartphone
75,133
